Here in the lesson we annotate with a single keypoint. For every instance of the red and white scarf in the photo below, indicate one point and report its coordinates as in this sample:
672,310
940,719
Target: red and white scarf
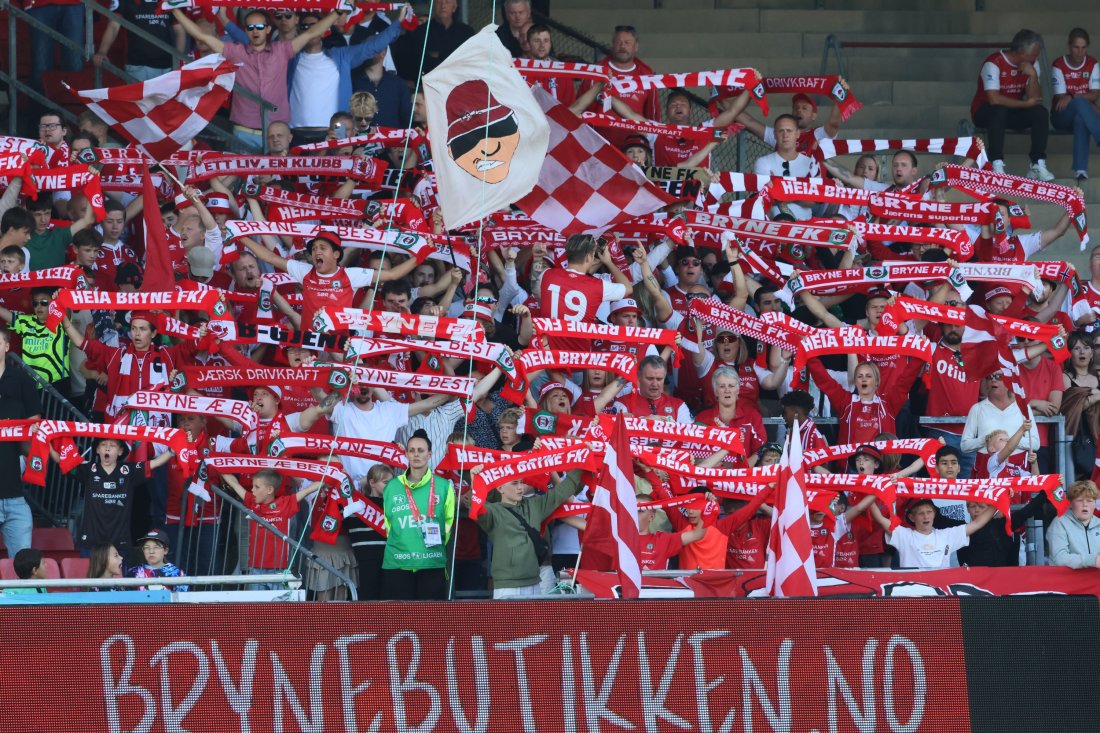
323,206
187,456
209,301
698,135
1003,184
955,240
726,318
830,86
495,236
625,366
191,404
16,165
745,78
131,156
964,147
556,328
549,68
402,324
368,171
309,470
244,332
199,378
905,309
415,382
487,352
387,137
995,492
535,463
73,178
895,272
412,243
52,277
309,444
828,341
891,206
924,448
670,433
832,237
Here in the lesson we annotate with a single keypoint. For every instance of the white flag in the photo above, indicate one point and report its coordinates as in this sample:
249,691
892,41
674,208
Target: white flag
488,135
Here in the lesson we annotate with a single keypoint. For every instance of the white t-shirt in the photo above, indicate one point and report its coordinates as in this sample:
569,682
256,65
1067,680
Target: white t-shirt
315,91
916,550
803,166
381,423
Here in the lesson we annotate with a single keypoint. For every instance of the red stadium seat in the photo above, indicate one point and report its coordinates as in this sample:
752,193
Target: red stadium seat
74,567
54,542
7,570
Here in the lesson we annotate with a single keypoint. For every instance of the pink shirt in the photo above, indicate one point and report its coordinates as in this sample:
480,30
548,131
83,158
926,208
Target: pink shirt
263,73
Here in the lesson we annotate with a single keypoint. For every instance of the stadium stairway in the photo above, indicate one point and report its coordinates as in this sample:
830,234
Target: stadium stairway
905,92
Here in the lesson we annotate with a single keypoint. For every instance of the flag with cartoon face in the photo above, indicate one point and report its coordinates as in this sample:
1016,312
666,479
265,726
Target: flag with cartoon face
487,134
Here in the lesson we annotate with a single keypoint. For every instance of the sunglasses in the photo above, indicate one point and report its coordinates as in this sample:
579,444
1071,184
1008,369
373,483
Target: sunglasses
786,167
283,16
256,26
367,120
41,302
303,27
725,338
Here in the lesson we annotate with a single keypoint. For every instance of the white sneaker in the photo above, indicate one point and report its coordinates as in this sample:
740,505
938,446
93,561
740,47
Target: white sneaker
998,166
1039,170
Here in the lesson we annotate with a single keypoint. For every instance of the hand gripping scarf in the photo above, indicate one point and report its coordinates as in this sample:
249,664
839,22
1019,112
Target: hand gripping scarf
187,455
995,492
204,300
660,337
190,404
963,147
533,463
401,324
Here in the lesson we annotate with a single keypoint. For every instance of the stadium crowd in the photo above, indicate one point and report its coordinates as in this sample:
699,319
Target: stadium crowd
331,79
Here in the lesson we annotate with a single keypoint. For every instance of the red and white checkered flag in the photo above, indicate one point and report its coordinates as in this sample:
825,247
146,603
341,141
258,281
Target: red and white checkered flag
160,115
790,567
586,184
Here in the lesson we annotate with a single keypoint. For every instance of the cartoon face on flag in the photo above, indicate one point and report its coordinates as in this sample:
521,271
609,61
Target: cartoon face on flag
482,133
487,133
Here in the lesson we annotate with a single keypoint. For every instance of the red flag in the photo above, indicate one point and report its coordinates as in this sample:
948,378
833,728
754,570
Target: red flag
586,184
159,276
611,536
163,114
791,570
987,349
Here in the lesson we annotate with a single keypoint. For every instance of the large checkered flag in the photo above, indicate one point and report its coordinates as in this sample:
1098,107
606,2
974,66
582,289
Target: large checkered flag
790,567
159,116
586,184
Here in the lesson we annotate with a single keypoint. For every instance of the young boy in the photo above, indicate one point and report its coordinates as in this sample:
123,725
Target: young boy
267,552
924,547
1002,460
44,351
657,547
837,548
154,545
109,486
28,564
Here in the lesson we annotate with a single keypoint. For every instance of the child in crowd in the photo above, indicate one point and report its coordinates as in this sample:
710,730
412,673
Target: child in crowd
837,547
154,545
657,547
105,562
268,555
109,487
1002,460
367,544
509,419
923,546
28,564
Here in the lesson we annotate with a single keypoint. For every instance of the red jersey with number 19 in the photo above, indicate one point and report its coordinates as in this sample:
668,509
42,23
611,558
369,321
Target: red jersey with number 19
573,296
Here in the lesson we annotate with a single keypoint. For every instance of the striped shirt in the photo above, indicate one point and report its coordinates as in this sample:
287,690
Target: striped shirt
44,351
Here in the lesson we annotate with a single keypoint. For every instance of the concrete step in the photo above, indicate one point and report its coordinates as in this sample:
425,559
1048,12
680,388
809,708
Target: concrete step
870,21
960,6
599,22
718,45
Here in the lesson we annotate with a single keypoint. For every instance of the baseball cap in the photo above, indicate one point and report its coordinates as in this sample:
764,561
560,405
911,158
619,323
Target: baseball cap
277,391
626,305
479,311
801,97
217,204
870,451
880,293
156,535
636,141
201,261
997,292
325,236
143,316
550,387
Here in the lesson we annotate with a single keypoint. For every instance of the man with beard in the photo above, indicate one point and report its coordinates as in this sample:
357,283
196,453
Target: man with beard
623,61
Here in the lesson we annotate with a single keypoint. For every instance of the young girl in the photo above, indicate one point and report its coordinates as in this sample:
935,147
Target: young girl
105,562
366,542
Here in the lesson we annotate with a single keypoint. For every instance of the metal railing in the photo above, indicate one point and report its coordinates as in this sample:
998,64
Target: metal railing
213,581
87,51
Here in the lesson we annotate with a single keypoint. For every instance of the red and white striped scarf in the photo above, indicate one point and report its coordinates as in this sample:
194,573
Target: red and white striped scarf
725,318
409,382
904,309
625,366
322,206
520,235
199,378
830,86
52,277
387,137
487,352
897,272
1003,184
964,147
411,243
556,328
835,237
530,464
401,324
906,208
925,448
955,240
73,178
50,430
309,470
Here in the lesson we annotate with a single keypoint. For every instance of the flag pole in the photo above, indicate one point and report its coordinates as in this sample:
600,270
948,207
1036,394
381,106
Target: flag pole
170,175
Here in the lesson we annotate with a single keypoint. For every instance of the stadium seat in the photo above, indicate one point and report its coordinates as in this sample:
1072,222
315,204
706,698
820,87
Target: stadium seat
74,567
7,569
54,542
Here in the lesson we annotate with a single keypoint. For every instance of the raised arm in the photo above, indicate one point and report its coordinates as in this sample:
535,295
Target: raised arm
264,254
303,493
213,42
317,30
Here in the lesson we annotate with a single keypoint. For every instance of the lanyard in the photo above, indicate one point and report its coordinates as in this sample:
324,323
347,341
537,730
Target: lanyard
412,504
